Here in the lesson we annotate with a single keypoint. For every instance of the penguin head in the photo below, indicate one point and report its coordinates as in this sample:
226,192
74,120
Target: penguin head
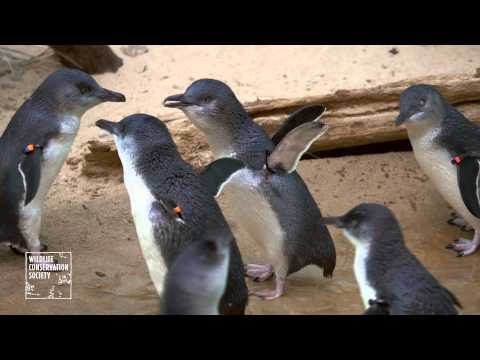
420,105
197,278
136,132
73,92
208,103
214,248
365,223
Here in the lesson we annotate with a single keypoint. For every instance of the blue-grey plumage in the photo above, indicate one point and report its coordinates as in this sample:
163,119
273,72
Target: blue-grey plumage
154,170
197,278
447,147
34,147
391,279
276,209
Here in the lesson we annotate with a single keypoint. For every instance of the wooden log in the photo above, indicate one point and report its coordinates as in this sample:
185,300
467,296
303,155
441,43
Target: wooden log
365,116
93,59
459,88
356,117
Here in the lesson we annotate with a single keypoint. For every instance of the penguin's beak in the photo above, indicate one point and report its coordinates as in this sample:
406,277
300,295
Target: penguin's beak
176,101
409,116
109,126
401,119
109,95
333,220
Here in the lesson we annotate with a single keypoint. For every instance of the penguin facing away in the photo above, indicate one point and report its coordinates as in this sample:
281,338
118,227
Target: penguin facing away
34,147
447,147
391,279
196,280
154,170
269,199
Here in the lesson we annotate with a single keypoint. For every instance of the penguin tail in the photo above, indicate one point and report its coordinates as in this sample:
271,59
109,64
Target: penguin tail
328,270
327,262
329,257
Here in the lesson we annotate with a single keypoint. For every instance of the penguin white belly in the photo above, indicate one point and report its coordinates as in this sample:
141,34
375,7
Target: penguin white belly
436,163
218,278
254,213
141,200
367,292
54,155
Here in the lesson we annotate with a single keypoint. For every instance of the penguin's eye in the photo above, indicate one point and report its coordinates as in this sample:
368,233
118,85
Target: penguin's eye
422,102
84,89
354,223
207,99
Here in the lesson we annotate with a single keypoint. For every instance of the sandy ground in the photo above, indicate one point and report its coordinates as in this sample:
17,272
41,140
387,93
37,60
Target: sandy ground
91,217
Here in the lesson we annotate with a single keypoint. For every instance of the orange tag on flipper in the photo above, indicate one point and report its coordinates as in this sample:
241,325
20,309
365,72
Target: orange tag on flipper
29,148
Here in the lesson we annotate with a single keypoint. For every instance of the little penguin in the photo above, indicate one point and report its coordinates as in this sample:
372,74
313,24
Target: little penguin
196,280
391,279
447,147
34,147
153,170
270,200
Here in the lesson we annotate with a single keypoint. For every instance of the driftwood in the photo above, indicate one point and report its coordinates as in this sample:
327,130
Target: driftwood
365,116
93,59
356,117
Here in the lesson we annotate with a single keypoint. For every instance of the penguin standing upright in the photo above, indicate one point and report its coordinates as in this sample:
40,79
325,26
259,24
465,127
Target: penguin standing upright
34,147
270,200
391,279
196,280
154,170
447,147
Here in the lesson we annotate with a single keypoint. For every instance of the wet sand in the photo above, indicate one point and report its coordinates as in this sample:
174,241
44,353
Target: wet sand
105,241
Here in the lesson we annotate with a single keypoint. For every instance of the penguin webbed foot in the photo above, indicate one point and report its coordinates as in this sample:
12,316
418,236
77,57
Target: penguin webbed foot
259,273
17,250
460,222
268,294
464,247
20,250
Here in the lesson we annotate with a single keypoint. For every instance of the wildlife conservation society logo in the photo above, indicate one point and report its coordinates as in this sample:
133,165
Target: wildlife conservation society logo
48,275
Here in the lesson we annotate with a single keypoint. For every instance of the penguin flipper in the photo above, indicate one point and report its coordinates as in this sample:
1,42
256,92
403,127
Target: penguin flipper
468,176
284,159
299,117
30,171
218,173
164,211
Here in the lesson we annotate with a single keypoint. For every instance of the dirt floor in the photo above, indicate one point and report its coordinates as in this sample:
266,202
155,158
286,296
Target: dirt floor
91,216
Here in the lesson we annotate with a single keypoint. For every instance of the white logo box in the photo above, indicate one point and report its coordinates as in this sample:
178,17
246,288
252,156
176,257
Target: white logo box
42,284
